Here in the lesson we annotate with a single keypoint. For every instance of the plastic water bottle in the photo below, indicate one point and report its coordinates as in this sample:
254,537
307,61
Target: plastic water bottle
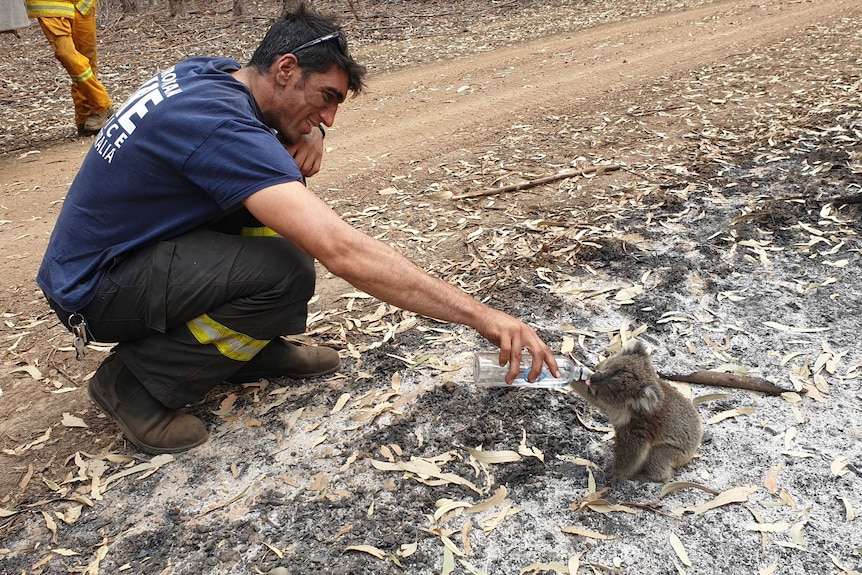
487,372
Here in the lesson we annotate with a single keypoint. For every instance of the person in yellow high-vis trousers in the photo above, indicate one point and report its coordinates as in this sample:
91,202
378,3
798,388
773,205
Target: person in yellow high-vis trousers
70,27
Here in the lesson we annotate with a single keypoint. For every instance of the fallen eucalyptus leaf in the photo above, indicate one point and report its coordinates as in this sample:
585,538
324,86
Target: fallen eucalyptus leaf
30,370
676,485
70,420
730,413
736,495
498,497
493,457
839,466
370,549
575,530
679,549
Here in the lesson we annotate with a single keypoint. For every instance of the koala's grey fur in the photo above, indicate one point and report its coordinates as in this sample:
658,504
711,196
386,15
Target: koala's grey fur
657,429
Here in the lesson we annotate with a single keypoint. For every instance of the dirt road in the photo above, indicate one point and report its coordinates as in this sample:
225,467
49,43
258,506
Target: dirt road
417,114
713,109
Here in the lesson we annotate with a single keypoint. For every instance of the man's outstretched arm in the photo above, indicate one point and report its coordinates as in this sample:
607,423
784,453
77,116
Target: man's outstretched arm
381,271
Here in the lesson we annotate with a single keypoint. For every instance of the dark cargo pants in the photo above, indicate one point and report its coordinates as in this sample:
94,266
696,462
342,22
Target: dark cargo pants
190,312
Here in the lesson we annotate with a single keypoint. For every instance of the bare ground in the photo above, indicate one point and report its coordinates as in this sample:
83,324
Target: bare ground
729,239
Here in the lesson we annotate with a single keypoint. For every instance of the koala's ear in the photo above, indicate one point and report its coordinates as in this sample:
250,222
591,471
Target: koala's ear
634,347
650,398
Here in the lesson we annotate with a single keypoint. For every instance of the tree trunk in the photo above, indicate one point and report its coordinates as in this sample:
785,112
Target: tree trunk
238,8
178,9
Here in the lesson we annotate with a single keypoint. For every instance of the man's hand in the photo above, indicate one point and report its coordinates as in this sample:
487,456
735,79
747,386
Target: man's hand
307,152
512,337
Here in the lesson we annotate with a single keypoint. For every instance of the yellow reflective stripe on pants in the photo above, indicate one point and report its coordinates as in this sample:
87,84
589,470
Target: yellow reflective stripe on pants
259,232
84,76
230,343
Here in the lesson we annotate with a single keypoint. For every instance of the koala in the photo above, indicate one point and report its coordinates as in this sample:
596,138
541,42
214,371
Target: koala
657,429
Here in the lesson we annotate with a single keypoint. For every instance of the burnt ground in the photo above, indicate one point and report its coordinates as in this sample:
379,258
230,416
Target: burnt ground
728,239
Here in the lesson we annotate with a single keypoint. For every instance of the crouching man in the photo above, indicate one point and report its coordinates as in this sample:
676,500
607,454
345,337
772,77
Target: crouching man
189,237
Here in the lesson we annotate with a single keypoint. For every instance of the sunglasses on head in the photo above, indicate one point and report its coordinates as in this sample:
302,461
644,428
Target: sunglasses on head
337,35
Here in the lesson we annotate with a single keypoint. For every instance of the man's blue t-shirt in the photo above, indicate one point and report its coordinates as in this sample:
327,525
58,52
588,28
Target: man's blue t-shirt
182,152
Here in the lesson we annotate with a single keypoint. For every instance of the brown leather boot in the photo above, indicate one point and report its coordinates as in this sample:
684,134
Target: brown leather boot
284,359
95,122
144,420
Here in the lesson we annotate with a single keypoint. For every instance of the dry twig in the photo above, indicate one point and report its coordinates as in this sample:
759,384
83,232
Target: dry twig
719,379
538,182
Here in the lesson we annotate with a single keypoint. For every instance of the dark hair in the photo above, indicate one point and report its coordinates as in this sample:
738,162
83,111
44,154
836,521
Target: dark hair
299,27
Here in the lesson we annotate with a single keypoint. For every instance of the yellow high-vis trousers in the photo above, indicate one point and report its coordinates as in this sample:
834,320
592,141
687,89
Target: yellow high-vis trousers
74,44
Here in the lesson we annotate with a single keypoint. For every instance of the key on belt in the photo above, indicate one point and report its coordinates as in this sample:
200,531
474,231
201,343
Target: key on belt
78,325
